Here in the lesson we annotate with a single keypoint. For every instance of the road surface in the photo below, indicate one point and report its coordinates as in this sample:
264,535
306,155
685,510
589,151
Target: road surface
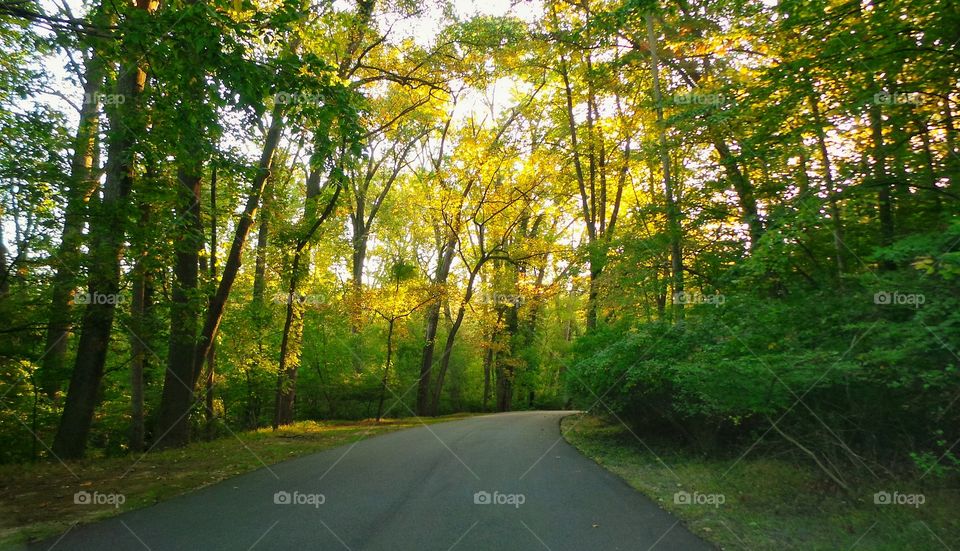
497,482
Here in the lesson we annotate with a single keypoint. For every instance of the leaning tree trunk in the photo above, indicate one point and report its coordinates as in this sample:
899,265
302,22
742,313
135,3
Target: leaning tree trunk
232,266
293,326
451,338
432,323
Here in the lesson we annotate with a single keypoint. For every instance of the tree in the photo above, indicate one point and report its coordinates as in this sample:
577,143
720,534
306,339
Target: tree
106,243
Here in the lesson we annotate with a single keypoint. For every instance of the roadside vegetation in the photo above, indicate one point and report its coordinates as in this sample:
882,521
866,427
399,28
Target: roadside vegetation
771,503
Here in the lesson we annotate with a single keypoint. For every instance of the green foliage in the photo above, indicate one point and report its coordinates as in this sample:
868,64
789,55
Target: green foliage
827,362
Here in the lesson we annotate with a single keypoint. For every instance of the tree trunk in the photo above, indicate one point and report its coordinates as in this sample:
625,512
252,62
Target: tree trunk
884,201
177,407
952,158
357,260
386,369
232,267
507,370
930,170
836,221
139,307
445,259
673,213
83,184
263,236
212,356
585,200
451,338
744,189
4,269
173,426
106,251
488,361
286,394
183,366
289,354
293,326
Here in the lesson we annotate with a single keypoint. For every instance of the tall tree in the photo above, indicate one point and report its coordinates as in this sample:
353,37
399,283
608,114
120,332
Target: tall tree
83,184
106,243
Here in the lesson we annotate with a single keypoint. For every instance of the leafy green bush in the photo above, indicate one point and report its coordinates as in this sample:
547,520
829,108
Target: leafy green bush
862,375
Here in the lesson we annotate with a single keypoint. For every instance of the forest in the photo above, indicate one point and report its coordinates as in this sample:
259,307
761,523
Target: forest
732,224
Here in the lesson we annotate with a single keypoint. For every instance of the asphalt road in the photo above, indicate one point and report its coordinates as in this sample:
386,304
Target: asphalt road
496,482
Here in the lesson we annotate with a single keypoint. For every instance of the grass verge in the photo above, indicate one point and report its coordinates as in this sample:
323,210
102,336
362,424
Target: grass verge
37,500
770,503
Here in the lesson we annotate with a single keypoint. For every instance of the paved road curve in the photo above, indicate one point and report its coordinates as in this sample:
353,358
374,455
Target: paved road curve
414,489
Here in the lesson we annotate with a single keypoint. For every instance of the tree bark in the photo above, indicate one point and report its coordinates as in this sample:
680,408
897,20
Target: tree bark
835,216
106,251
451,338
212,356
232,266
173,427
139,311
263,236
386,369
744,189
673,213
884,200
83,185
293,326
488,358
445,259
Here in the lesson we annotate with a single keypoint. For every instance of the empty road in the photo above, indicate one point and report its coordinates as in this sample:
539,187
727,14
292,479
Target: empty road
496,482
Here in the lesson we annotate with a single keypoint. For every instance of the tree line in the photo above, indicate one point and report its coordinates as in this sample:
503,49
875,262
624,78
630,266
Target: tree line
714,220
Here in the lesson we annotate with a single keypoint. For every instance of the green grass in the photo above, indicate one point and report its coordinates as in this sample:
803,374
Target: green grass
37,500
771,503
